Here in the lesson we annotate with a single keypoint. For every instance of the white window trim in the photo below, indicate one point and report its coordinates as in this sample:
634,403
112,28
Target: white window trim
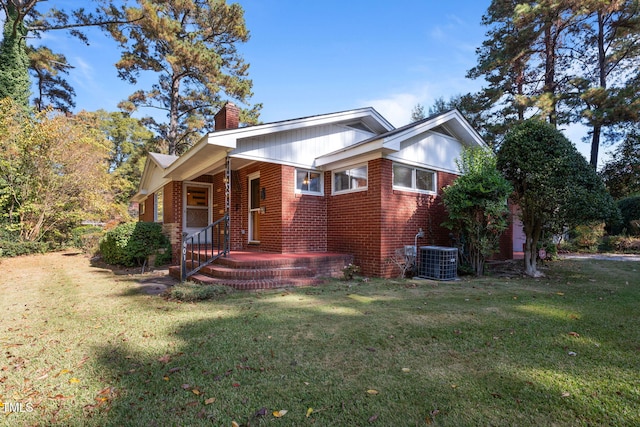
413,188
307,192
350,190
155,206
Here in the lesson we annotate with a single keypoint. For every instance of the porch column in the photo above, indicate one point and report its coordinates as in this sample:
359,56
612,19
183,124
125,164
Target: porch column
227,204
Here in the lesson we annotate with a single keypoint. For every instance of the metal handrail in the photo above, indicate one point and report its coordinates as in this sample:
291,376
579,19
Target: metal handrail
212,242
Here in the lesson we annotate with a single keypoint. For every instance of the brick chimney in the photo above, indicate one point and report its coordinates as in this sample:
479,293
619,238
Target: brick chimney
228,117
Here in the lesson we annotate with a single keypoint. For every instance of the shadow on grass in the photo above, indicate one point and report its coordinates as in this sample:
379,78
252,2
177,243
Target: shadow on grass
395,355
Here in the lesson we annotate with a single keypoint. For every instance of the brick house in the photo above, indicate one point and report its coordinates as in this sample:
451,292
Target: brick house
345,182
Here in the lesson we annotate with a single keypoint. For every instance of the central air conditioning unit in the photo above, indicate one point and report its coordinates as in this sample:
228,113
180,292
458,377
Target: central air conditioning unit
438,263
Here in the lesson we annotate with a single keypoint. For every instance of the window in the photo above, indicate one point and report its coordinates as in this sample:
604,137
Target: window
159,206
308,181
354,179
407,177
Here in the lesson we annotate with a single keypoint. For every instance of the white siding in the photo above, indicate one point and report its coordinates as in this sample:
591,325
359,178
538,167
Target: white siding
300,146
431,150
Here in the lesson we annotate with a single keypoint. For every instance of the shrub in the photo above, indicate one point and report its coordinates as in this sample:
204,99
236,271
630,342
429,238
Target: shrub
131,243
87,238
189,291
630,212
13,248
624,244
587,237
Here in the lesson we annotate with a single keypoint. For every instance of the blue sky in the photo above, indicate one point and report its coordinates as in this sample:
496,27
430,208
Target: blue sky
312,57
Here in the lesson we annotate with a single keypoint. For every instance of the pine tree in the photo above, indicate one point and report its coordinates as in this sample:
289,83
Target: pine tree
191,45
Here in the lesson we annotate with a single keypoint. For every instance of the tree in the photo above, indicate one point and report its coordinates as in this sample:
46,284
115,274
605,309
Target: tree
23,19
608,49
563,60
130,142
622,173
191,45
53,172
477,205
14,62
554,186
417,113
47,68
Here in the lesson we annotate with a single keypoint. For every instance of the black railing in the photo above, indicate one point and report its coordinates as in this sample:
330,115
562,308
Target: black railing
203,247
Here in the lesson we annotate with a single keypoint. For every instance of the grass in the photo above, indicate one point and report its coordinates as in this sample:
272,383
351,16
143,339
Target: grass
82,346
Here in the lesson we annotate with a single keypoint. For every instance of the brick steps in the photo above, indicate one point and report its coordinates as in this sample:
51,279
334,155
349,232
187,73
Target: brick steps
255,270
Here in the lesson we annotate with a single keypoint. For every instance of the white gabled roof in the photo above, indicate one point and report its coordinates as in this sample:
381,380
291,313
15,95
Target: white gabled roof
453,121
207,155
153,174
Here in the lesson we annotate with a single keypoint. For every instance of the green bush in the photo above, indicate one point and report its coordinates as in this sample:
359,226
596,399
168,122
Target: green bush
630,212
587,237
13,248
624,244
87,238
189,291
131,243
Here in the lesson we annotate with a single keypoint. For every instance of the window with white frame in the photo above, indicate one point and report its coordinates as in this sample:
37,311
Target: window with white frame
352,179
158,206
411,178
308,182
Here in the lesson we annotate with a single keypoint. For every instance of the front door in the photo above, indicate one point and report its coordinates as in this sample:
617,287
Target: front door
254,208
197,207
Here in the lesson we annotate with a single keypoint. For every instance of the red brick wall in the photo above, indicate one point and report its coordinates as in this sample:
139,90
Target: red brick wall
354,221
372,224
304,217
405,212
148,210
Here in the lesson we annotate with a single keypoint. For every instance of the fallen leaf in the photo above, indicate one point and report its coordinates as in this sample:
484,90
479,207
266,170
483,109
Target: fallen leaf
174,370
261,412
234,424
209,401
164,359
372,392
560,293
309,411
373,418
406,370
73,380
281,413
165,378
566,394
185,386
235,385
574,334
195,391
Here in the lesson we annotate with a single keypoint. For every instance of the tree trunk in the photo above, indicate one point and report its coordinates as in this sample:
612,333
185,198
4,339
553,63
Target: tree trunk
532,234
602,71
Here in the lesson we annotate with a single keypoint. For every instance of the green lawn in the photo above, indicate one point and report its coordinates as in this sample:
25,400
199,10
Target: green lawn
82,346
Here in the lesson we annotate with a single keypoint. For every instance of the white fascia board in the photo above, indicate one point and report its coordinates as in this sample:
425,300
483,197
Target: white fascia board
345,116
200,158
347,162
139,196
350,152
468,136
